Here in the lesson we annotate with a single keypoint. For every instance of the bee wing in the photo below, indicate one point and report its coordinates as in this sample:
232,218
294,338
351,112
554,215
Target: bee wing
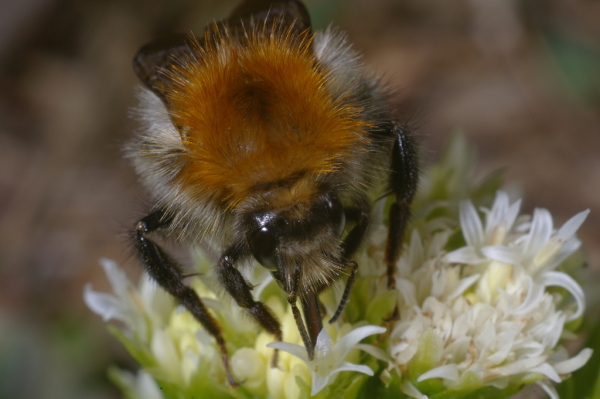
290,13
153,61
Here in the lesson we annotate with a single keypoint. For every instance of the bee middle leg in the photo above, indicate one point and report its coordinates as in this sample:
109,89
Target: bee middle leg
169,275
239,289
403,181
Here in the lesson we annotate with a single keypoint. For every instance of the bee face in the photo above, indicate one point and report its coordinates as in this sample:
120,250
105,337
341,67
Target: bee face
279,239
271,141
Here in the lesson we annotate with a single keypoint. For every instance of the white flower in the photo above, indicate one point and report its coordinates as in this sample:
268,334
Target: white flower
499,221
129,304
330,360
482,312
139,386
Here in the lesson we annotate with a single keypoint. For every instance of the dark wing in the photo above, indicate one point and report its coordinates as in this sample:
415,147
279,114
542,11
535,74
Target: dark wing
290,13
154,61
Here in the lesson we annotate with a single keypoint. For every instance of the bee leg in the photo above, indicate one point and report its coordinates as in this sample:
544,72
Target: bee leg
346,295
168,274
403,183
239,289
350,246
292,297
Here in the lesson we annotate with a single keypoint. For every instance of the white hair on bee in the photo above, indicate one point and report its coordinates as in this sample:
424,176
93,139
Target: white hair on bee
156,156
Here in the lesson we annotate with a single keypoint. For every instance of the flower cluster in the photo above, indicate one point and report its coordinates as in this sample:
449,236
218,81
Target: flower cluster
485,298
492,312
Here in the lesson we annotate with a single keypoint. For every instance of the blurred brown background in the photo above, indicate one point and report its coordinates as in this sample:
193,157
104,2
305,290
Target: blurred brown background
520,77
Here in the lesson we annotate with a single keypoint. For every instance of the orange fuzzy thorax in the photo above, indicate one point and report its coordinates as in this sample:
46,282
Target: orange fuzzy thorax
259,115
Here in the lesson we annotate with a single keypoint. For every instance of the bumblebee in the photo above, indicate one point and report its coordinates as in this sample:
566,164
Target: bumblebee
270,142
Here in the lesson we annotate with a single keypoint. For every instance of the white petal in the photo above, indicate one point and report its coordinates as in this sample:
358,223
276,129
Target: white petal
540,232
408,291
447,372
257,291
546,370
496,214
347,342
572,225
511,215
318,383
465,255
462,286
516,367
293,349
415,249
567,282
568,248
323,344
410,390
117,277
374,351
165,353
574,363
510,255
549,389
106,305
359,368
534,295
470,224
146,387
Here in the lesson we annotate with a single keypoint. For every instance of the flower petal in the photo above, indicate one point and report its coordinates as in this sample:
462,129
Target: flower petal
462,286
565,281
318,383
549,389
446,372
540,231
374,351
117,277
347,342
359,368
546,370
572,225
323,344
293,349
574,363
470,224
500,253
465,255
106,305
146,386
534,295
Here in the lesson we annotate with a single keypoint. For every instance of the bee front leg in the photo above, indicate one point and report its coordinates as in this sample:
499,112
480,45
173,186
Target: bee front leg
403,184
168,274
239,289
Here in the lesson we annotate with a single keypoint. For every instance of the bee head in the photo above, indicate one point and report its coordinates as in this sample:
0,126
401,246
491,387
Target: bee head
309,235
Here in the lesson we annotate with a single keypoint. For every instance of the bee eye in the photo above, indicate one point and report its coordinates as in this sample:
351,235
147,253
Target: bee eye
262,244
337,216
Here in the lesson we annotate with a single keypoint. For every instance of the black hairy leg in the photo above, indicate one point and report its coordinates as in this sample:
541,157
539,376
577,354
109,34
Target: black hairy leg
403,184
312,301
168,274
350,246
239,289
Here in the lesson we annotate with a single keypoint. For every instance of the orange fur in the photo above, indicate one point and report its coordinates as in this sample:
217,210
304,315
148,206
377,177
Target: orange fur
259,114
